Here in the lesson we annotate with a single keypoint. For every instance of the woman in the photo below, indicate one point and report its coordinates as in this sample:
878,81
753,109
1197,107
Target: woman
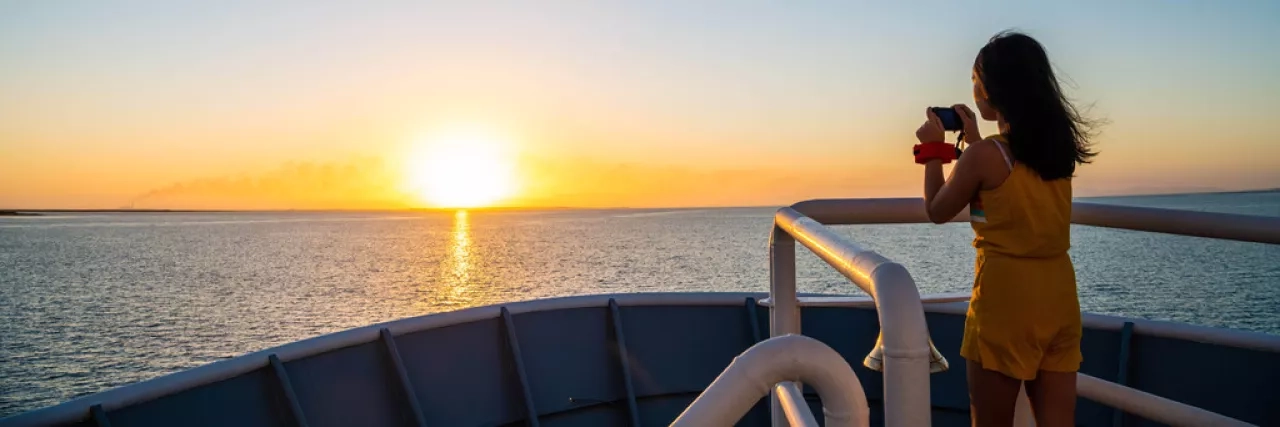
1023,324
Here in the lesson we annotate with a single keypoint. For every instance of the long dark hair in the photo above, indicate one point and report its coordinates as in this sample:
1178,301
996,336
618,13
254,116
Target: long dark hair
1045,131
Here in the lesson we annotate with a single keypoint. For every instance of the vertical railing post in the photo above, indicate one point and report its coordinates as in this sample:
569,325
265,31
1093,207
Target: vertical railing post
784,313
906,344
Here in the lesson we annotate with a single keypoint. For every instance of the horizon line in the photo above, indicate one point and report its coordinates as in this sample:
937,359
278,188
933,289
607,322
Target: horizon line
531,208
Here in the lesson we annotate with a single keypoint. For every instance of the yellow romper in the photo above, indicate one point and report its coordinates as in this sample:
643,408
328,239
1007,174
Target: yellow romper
1024,315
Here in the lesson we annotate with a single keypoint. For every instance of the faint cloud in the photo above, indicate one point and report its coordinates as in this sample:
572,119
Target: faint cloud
365,183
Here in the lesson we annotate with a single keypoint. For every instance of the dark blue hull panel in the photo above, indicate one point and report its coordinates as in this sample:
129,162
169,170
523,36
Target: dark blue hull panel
566,366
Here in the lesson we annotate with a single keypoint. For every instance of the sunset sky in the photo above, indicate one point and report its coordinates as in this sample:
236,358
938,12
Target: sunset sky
293,104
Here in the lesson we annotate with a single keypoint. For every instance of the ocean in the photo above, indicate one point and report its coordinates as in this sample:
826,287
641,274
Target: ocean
94,301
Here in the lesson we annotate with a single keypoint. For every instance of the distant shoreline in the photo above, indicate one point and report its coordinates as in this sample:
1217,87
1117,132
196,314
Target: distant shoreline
40,212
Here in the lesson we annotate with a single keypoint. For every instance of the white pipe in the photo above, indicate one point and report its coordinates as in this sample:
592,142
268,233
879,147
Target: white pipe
904,332
793,404
1149,406
755,372
784,318
784,315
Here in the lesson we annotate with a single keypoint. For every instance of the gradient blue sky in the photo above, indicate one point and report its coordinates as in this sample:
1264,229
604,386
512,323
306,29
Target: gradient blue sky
105,100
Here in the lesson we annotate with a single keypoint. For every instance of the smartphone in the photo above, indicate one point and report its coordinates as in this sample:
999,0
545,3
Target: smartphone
950,118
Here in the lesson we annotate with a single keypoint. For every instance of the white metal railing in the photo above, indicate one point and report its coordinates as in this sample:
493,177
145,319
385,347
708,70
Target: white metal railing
776,364
905,336
906,395
1147,405
791,397
1245,228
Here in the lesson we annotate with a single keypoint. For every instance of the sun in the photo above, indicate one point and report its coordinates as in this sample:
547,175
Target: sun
461,170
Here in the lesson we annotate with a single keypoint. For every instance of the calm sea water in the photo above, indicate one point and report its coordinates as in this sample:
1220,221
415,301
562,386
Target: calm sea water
89,302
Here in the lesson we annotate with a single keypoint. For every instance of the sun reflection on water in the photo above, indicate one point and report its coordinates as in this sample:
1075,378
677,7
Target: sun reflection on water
459,280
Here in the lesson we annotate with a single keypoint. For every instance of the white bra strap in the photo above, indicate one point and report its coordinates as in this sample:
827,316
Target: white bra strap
1003,154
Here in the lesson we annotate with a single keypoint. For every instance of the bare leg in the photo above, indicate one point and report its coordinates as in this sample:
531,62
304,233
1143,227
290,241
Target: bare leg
992,396
1053,398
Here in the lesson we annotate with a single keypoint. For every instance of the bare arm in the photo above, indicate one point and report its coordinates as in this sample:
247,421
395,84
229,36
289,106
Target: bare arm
944,200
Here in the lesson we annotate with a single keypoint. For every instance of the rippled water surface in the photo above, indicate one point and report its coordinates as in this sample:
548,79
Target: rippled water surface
93,301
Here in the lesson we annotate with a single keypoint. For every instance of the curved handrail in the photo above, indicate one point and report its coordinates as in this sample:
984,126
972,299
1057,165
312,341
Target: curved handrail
901,313
781,359
1246,228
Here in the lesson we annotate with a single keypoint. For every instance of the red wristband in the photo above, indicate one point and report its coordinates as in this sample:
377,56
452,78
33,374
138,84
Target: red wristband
930,151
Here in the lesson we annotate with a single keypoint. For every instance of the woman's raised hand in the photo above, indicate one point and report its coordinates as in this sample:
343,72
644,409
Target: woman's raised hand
970,120
931,130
